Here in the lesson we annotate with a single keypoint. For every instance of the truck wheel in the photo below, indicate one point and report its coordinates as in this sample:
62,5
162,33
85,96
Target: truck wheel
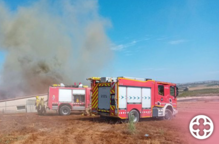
168,114
64,110
134,115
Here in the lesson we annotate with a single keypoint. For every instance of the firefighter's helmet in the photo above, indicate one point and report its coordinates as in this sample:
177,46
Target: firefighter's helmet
37,97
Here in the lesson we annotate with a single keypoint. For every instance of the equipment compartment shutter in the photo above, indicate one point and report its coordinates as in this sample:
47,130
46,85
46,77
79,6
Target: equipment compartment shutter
122,97
104,98
146,98
78,92
65,95
133,95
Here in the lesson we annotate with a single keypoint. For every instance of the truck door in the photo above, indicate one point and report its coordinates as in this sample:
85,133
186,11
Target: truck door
104,98
146,98
159,95
146,102
172,95
166,93
79,99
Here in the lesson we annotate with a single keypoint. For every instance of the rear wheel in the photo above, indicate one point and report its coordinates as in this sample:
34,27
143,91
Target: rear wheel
64,110
134,116
168,114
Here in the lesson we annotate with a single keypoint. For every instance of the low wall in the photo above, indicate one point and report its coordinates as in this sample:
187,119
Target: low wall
20,105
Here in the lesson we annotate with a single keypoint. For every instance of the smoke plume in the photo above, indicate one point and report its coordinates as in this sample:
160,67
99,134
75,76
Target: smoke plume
50,42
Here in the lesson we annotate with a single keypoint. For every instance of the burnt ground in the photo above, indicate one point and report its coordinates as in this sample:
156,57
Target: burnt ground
77,129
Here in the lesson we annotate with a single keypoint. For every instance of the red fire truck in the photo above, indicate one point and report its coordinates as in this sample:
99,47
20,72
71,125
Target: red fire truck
64,99
123,97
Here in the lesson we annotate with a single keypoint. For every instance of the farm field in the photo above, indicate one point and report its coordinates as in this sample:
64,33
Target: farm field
77,129
200,92
210,89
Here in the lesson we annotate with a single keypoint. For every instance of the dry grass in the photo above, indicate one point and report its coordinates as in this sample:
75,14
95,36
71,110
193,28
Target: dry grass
131,125
7,139
77,129
199,92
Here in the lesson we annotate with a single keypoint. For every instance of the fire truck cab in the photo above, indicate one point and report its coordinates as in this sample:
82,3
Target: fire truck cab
64,99
125,97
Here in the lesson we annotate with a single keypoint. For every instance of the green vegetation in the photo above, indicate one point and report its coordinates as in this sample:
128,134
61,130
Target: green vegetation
209,85
131,125
161,131
199,92
7,139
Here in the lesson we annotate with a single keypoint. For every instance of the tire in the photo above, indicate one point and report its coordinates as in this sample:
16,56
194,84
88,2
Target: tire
168,114
135,115
64,110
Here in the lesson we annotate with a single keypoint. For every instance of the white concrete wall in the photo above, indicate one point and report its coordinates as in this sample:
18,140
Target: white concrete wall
10,106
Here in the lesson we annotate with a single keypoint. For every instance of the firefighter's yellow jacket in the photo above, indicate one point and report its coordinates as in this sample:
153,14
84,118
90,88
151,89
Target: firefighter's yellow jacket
37,101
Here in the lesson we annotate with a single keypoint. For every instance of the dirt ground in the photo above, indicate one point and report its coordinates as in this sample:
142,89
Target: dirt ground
77,129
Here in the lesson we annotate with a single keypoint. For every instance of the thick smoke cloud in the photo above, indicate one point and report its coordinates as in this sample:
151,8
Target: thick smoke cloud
50,42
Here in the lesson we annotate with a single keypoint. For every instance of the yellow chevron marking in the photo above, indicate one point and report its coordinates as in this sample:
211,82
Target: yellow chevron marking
95,93
96,86
95,104
112,91
94,97
94,101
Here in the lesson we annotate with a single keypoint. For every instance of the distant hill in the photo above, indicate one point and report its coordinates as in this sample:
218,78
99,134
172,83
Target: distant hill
195,84
199,88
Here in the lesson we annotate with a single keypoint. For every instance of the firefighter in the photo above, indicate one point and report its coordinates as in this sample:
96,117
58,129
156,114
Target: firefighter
37,103
42,106
87,111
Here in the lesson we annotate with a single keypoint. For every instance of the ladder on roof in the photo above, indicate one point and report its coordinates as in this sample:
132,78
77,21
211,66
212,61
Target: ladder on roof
113,79
141,79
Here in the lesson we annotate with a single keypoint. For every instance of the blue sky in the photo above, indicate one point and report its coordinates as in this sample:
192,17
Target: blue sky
169,40
176,41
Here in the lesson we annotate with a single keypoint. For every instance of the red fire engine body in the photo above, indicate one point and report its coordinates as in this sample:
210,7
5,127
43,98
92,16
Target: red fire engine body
124,97
67,98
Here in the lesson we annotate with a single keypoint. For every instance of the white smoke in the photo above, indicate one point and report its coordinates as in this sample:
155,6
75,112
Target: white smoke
51,42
